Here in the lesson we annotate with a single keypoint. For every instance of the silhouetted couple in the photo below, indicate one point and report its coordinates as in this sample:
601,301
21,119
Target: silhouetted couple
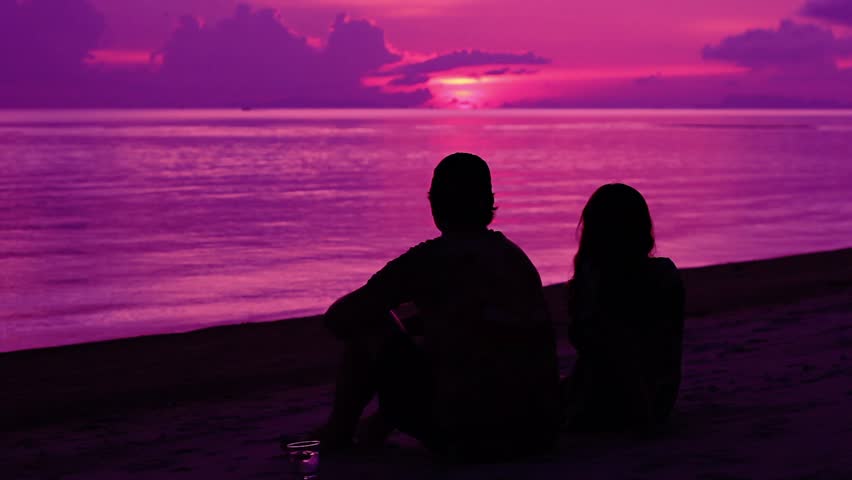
474,374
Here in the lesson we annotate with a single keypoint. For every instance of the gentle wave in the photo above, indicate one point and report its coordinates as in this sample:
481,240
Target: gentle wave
171,131
123,223
745,126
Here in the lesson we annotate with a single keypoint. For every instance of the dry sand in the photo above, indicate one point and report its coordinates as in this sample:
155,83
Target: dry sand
767,393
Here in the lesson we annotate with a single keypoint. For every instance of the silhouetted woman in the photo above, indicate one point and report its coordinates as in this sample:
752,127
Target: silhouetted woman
626,311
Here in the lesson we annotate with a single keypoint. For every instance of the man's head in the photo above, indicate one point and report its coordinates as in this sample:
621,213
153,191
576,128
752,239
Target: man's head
461,195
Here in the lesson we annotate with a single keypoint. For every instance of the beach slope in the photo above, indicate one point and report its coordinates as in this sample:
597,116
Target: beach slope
766,394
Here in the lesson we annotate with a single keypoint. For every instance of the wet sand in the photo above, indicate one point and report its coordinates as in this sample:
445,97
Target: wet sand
767,393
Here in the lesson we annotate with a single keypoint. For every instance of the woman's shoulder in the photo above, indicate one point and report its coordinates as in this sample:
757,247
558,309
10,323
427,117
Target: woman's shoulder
666,273
662,264
663,269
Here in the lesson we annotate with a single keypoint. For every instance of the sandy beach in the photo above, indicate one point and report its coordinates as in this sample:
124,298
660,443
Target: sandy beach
767,392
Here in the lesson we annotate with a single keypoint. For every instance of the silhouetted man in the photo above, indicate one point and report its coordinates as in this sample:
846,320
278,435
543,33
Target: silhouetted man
483,382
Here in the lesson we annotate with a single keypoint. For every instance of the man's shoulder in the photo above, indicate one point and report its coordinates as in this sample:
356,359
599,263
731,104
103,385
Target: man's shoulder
501,237
510,247
409,263
420,252
492,242
426,246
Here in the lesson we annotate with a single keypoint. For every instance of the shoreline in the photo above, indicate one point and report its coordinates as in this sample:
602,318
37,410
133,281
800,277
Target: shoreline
55,383
715,276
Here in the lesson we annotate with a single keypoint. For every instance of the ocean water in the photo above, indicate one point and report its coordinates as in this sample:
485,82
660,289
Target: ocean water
120,223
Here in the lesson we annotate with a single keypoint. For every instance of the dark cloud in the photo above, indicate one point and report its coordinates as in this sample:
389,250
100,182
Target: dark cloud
146,24
834,11
249,58
46,41
245,58
418,73
790,47
408,80
497,72
357,47
508,71
469,58
792,66
253,59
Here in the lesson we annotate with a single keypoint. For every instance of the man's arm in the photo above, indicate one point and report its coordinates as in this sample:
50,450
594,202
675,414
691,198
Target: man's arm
358,313
368,309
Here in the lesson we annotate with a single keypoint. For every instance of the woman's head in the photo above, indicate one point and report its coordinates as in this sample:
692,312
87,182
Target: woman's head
615,228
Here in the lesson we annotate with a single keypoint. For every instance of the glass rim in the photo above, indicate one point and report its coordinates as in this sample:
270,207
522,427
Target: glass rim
304,444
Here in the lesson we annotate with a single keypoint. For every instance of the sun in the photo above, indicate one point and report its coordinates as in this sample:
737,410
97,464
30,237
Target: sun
462,92
469,90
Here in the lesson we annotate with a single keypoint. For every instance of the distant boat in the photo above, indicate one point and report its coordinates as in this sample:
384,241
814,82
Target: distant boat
246,109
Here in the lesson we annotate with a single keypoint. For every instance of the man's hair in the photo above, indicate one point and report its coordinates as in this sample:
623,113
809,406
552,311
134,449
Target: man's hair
461,195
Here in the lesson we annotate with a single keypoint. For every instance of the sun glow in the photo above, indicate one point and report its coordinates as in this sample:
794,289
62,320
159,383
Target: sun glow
457,80
465,91
122,57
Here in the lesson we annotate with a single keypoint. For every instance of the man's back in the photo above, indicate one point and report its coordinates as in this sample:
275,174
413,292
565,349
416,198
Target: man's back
488,336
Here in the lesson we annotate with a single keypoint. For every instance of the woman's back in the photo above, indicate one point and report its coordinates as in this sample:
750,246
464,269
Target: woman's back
627,328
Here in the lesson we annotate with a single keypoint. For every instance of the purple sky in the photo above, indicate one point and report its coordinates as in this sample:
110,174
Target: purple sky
439,53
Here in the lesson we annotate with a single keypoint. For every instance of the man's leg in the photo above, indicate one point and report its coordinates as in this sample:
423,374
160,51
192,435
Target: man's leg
406,391
356,384
354,388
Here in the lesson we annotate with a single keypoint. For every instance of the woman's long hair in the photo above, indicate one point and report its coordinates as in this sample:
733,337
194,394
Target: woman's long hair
615,230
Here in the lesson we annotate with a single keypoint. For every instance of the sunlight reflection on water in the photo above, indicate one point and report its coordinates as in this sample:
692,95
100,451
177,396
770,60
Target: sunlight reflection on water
122,223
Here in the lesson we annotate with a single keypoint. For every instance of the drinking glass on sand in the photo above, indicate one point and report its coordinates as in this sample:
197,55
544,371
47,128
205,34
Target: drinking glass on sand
304,458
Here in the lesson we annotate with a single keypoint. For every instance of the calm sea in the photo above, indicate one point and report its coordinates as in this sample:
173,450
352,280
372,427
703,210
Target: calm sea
121,223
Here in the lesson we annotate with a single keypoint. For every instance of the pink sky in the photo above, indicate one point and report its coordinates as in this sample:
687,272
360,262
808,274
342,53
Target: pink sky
489,53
